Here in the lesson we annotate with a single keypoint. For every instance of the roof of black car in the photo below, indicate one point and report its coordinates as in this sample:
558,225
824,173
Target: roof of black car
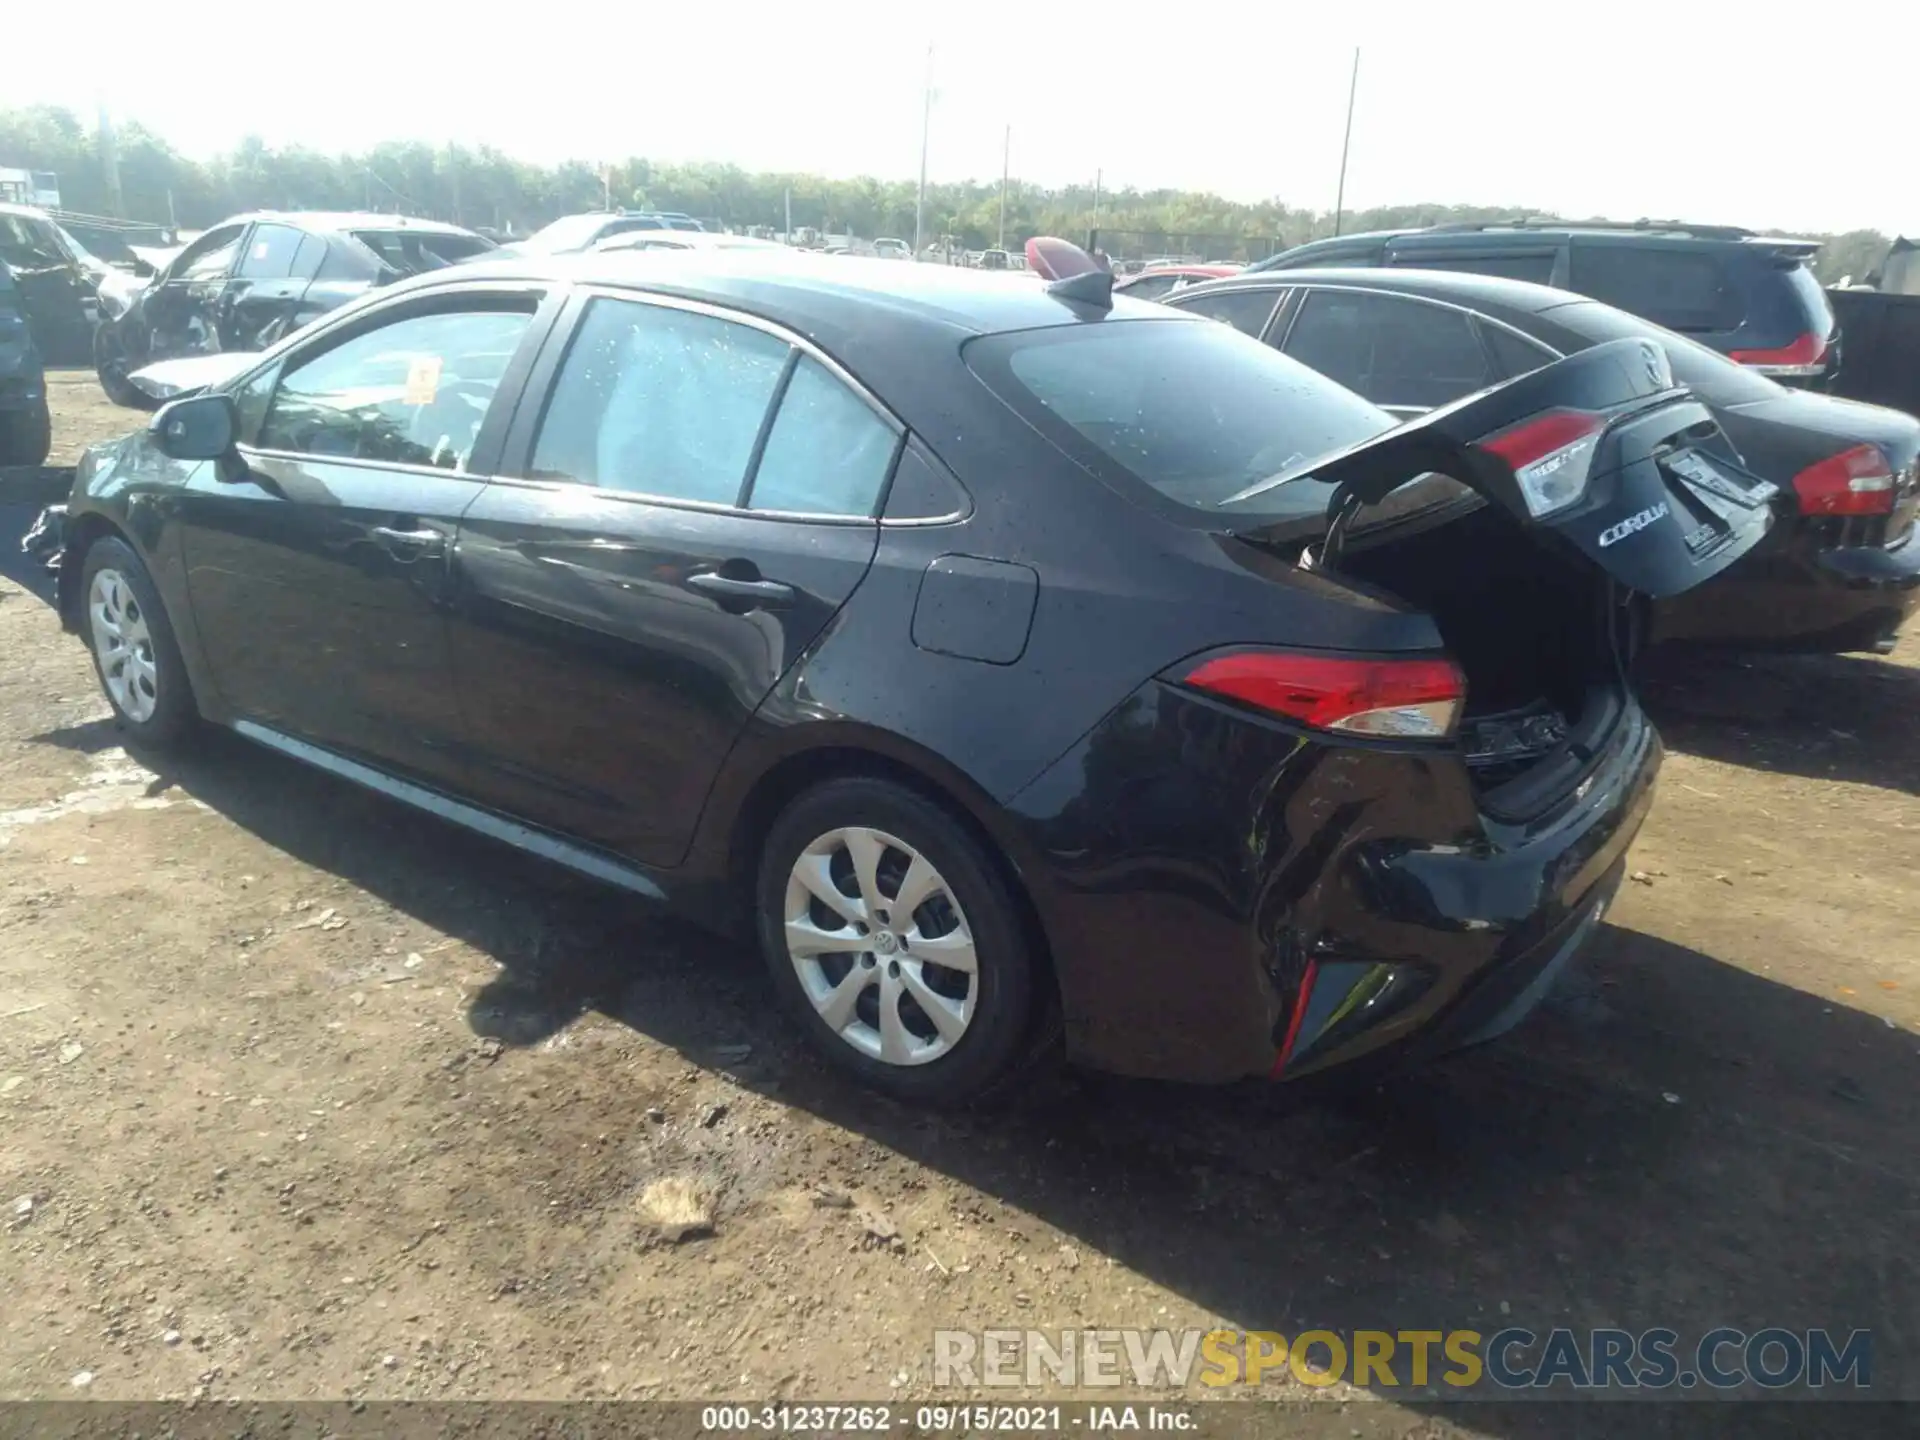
1459,286
801,289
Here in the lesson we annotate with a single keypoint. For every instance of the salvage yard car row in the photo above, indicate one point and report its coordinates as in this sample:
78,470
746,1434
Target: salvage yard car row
1031,668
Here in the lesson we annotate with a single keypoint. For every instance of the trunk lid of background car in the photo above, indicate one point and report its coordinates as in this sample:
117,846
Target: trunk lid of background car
1665,506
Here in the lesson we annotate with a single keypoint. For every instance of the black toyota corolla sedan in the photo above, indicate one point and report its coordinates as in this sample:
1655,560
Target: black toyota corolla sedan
1842,572
1015,660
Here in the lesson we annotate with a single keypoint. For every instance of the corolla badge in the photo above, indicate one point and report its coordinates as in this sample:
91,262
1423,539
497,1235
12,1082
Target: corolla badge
1633,524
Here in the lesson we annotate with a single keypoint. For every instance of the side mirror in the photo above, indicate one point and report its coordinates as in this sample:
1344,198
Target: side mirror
200,427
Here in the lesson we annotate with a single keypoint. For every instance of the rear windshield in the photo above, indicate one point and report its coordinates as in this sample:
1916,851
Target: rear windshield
414,252
1709,374
1195,411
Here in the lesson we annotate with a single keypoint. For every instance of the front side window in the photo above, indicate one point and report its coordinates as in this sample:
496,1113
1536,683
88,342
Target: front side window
659,401
413,391
1394,351
210,257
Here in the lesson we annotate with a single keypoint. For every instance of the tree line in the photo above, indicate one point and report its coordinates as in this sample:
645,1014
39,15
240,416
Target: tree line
483,188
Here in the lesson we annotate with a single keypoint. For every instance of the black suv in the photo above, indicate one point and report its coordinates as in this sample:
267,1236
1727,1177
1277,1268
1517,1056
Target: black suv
1749,296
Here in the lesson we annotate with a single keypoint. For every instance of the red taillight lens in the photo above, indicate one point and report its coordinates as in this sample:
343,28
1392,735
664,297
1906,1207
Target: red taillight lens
1804,356
1550,455
1854,482
1415,699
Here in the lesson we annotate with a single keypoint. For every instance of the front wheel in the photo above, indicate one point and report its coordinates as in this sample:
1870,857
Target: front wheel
134,652
25,437
113,365
896,942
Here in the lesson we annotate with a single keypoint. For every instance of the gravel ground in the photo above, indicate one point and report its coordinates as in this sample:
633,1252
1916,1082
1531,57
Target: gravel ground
305,1095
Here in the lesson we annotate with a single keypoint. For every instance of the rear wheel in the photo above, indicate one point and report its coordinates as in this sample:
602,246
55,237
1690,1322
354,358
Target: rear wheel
896,942
25,436
134,652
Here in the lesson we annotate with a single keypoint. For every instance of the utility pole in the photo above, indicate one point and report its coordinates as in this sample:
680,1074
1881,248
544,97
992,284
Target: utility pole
788,237
1006,157
926,129
1093,236
1340,196
110,165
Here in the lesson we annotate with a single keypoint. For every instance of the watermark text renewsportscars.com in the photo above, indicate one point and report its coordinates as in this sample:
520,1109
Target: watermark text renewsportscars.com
1508,1360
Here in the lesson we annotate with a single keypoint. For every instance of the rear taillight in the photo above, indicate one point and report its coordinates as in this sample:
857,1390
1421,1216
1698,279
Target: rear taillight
1805,356
1414,699
1854,482
1550,455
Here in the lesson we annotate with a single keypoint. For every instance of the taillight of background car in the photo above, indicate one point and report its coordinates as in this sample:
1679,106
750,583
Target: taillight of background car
1416,698
1805,356
1859,481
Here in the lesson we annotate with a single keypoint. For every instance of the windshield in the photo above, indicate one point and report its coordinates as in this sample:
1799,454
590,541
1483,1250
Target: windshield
1197,412
413,252
1709,374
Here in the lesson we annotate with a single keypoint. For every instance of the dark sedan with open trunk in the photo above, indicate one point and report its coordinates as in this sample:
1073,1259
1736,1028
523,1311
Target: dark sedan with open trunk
1014,659
1842,570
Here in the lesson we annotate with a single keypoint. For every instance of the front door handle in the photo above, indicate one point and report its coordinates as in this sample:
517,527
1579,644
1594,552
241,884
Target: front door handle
742,594
418,544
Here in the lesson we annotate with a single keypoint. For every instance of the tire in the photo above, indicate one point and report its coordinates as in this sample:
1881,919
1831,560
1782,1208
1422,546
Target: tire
111,364
143,676
983,1045
26,437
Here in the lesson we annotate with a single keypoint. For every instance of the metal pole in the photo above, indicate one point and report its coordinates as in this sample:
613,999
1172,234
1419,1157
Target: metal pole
1006,157
926,128
1340,196
1093,235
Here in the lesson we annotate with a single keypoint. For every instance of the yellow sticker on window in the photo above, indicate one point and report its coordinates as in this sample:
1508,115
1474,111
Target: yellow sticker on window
423,380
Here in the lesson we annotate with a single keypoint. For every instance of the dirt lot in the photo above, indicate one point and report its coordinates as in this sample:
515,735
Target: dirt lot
306,1095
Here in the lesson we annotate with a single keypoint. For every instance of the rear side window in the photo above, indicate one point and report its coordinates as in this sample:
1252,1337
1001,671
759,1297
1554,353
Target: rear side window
828,453
1514,354
1152,287
1536,267
411,252
1245,310
1392,350
270,253
1685,290
1196,413
675,404
660,401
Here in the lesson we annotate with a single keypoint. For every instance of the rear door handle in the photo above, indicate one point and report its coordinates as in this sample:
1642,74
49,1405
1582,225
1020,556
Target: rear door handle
423,544
743,594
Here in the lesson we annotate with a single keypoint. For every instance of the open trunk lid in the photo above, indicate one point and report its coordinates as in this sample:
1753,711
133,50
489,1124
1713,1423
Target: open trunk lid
1600,452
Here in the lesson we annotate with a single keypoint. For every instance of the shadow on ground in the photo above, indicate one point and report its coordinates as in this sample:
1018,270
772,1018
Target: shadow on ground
1828,717
1671,1142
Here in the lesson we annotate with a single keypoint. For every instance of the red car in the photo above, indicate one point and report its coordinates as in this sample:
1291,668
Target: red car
1163,280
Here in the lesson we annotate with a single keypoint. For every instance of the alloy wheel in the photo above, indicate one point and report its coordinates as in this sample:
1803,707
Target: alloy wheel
881,946
124,646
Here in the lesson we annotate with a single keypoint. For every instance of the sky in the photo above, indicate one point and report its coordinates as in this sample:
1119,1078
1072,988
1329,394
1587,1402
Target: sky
1711,113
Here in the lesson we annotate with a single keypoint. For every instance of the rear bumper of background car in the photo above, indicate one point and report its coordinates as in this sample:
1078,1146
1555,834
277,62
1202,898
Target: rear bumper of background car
1803,597
1224,899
